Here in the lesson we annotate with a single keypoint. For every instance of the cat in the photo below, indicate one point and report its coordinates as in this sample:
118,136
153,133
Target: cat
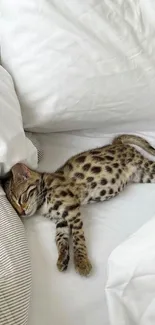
92,176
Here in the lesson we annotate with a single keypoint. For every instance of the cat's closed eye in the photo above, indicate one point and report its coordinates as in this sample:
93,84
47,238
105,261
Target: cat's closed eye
31,193
23,199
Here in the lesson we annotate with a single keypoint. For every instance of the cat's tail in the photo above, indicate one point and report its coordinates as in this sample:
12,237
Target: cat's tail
136,140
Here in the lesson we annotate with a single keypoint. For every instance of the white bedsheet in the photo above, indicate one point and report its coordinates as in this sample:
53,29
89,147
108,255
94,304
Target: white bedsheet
66,298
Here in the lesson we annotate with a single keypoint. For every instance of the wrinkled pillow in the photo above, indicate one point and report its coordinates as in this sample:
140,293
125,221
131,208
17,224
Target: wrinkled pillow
14,145
81,64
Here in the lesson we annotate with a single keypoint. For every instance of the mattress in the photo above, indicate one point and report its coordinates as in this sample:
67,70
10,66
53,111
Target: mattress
66,298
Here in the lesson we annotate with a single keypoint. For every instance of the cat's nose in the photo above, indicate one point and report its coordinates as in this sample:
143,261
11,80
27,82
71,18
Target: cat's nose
24,207
22,211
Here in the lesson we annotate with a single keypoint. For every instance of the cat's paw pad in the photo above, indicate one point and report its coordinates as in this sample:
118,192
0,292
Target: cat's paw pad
82,265
62,262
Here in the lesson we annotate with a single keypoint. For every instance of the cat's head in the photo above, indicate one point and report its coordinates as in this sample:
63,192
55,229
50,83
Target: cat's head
23,189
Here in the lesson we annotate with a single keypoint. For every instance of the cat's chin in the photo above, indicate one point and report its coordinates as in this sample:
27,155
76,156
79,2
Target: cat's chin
30,213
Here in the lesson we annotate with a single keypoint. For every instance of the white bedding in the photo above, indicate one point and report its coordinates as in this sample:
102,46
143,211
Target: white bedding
81,64
131,282
14,146
66,298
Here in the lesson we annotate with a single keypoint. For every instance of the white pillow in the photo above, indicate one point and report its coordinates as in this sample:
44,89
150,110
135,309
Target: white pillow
81,64
14,146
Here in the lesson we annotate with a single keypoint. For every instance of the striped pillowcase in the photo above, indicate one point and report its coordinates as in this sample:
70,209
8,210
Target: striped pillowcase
15,267
15,264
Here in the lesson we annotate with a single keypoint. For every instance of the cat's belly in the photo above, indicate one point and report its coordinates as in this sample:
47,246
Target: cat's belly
102,193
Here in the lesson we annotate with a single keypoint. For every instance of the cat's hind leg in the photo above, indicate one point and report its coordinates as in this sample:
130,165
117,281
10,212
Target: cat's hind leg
145,172
62,242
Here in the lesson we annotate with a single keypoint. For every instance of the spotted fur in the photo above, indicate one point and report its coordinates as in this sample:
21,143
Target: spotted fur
92,176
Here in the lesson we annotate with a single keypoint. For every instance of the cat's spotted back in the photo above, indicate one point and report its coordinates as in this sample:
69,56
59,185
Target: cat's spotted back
92,176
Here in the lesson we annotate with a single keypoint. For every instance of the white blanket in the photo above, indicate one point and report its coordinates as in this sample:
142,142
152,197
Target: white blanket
131,280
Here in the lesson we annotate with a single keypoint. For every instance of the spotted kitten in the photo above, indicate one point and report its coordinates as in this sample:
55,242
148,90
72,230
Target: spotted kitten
94,175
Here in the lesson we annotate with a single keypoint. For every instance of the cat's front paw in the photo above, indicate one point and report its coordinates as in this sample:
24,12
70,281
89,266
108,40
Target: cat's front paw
62,262
82,265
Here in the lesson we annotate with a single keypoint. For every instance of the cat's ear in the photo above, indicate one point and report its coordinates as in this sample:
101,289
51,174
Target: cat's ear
20,172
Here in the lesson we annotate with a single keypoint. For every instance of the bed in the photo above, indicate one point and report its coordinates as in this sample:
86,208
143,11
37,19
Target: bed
73,75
